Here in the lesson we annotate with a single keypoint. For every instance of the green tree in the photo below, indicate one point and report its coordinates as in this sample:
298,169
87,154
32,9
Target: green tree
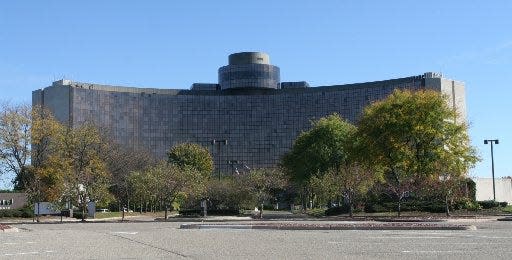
166,182
120,162
266,184
314,152
230,193
193,156
320,148
324,189
352,181
412,136
142,187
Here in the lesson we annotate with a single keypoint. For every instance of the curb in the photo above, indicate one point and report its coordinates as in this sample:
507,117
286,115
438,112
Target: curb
389,220
505,219
173,219
270,226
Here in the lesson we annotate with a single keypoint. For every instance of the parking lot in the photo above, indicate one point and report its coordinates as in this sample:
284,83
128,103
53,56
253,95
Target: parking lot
164,240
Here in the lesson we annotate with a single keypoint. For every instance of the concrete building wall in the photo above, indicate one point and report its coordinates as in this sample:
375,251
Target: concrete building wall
503,189
12,200
56,98
453,89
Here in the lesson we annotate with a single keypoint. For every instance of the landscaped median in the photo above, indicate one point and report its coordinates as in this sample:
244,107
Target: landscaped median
335,226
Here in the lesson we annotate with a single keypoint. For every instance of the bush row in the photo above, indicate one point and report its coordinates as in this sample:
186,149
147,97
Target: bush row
337,210
78,214
211,212
427,206
415,205
489,204
16,213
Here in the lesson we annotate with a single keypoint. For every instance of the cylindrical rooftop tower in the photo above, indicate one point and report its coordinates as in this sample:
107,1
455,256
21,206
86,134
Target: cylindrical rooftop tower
249,70
249,58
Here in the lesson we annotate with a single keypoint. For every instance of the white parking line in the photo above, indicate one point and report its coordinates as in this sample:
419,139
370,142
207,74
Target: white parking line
495,237
424,237
17,243
24,253
423,243
440,251
28,253
126,233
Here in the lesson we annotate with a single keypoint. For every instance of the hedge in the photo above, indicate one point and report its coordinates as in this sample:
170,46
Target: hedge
211,212
489,204
16,213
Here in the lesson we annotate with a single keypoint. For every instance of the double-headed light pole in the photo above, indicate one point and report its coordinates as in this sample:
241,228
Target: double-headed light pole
218,143
492,141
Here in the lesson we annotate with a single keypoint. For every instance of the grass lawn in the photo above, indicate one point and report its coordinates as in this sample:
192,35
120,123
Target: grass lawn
108,214
507,209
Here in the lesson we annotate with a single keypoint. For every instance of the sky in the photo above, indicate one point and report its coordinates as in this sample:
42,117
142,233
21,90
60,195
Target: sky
172,44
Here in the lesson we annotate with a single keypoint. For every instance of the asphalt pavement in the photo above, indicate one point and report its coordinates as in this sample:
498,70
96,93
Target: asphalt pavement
165,240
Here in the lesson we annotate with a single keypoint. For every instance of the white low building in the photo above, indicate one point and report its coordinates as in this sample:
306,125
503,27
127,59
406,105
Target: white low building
503,189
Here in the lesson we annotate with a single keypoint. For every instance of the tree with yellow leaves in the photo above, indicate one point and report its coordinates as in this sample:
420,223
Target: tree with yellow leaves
414,136
82,172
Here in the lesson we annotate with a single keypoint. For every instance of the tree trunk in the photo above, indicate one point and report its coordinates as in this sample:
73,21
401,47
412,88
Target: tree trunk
447,206
304,203
83,212
37,216
349,200
399,206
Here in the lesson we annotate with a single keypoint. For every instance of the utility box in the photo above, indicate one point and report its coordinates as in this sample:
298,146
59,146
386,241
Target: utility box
91,209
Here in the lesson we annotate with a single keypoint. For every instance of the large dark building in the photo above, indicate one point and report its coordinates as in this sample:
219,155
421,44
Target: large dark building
250,118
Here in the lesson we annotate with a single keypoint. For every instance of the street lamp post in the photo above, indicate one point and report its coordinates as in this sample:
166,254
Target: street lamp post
444,178
218,143
492,141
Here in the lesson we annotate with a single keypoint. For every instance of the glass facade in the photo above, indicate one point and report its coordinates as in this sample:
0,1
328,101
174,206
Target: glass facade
259,126
249,76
